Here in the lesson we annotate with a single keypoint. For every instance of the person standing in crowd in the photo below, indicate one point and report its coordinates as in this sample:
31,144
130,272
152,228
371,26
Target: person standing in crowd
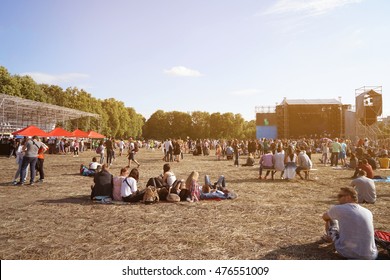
62,146
82,144
365,188
325,151
31,148
133,149
121,147
350,227
100,150
41,159
76,148
110,149
236,148
167,147
19,160
336,148
343,152
12,147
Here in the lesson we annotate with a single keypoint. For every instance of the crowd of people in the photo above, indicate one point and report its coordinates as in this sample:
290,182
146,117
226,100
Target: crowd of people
348,225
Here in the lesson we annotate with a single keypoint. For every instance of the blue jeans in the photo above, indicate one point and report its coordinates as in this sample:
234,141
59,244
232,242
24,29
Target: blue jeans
216,194
32,161
219,183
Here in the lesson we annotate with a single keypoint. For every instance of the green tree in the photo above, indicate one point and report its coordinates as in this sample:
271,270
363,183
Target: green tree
180,124
134,127
29,89
157,127
249,130
54,94
200,125
8,84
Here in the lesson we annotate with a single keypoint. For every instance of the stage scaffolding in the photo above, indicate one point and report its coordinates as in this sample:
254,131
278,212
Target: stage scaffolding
17,113
362,128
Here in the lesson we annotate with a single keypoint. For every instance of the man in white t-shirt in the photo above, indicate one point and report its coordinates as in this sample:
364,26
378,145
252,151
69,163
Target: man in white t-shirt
365,188
350,227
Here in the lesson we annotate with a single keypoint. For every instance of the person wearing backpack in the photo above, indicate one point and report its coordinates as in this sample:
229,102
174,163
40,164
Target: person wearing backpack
133,149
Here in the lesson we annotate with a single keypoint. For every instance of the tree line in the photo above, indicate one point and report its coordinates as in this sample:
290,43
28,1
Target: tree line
120,121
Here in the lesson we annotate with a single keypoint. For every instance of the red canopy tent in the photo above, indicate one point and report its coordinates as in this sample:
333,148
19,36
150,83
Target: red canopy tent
60,132
79,133
93,134
30,130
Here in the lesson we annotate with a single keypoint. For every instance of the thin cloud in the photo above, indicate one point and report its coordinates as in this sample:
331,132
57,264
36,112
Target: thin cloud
308,7
245,92
43,78
181,71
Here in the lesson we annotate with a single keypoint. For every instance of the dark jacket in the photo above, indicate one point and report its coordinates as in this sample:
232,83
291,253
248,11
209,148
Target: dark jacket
103,184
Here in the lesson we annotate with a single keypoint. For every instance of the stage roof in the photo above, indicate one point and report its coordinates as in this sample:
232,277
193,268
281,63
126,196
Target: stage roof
311,102
16,113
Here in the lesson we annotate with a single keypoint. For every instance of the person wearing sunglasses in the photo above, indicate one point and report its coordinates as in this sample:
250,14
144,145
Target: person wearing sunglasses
350,227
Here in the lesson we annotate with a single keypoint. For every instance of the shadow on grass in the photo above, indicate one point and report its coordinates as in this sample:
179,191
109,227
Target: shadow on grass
75,174
79,199
317,250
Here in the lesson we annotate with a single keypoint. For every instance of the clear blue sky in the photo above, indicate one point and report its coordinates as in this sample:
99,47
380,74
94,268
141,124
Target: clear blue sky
198,55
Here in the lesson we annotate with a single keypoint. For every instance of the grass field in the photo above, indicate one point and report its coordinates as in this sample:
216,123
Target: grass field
269,219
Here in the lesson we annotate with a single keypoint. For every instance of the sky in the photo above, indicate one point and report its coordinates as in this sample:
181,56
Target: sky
197,55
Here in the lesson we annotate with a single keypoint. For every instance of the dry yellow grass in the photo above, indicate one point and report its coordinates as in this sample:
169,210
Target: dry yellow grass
269,220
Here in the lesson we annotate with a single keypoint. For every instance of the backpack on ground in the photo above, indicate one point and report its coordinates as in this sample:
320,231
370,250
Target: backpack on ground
382,239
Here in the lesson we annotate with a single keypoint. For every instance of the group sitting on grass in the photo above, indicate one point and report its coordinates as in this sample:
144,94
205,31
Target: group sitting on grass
165,187
290,164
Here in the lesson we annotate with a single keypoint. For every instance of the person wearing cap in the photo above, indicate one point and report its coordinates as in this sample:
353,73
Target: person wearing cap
350,227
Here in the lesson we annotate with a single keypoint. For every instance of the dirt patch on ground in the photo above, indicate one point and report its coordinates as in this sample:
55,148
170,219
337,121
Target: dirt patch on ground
269,219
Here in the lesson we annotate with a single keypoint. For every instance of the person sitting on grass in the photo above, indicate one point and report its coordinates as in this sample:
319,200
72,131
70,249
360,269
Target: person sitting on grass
93,165
352,162
365,188
168,176
364,165
91,170
350,227
117,183
129,188
103,183
250,161
218,151
198,192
